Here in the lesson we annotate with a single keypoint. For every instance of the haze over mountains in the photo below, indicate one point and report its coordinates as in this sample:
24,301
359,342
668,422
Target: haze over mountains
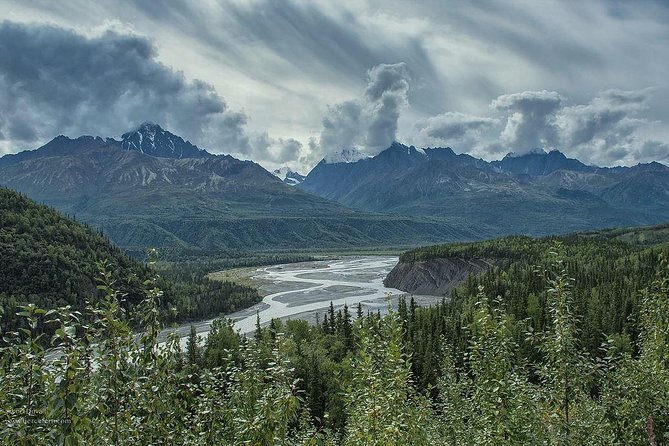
152,188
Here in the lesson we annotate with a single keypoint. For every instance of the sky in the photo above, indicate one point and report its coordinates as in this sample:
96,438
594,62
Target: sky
288,82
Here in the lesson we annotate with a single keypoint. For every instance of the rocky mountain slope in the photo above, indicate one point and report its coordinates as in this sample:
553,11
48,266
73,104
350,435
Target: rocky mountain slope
152,140
154,189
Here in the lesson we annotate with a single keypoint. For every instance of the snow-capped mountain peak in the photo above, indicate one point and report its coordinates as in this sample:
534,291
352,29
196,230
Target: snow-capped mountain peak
151,139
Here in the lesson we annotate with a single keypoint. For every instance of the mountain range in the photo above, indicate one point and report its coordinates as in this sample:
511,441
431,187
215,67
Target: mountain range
153,188
536,193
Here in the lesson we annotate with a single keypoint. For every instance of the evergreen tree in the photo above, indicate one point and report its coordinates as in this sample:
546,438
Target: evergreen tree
192,347
333,322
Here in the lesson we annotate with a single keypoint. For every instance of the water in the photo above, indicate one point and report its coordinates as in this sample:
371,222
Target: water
302,290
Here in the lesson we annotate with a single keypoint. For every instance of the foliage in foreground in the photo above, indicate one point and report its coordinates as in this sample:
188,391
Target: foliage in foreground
99,383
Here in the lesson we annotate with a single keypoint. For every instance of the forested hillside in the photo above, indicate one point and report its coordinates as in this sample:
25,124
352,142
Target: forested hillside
563,341
522,247
608,268
50,261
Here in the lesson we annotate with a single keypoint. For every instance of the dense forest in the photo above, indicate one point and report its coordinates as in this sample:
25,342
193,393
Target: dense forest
466,372
49,260
608,275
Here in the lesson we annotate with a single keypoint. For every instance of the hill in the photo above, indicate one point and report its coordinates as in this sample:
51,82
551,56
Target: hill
609,268
51,261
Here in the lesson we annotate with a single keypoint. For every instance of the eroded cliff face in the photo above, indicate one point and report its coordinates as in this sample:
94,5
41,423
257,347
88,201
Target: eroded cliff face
434,277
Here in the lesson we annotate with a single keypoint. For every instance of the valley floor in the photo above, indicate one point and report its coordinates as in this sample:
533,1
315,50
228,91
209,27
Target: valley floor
304,290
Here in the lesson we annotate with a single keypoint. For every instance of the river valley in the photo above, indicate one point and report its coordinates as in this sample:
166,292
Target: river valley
304,290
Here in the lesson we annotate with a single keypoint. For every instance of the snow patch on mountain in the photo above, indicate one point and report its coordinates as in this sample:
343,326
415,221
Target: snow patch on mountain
345,156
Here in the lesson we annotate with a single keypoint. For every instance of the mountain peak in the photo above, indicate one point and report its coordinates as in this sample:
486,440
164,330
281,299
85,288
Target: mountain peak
536,151
400,151
538,162
61,145
152,139
349,155
150,125
145,128
653,166
288,176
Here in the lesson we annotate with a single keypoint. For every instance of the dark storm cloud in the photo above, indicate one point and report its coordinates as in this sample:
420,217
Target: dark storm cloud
452,128
53,80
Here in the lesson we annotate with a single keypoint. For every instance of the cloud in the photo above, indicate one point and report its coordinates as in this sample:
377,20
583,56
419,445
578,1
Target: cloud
271,151
318,41
369,123
295,56
342,126
385,96
605,129
54,80
609,114
530,121
653,151
452,128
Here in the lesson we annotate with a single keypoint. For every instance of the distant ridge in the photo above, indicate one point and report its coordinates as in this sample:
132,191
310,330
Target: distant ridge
148,138
534,193
152,188
539,162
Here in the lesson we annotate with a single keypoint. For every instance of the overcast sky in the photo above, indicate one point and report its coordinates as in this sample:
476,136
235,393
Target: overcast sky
285,82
